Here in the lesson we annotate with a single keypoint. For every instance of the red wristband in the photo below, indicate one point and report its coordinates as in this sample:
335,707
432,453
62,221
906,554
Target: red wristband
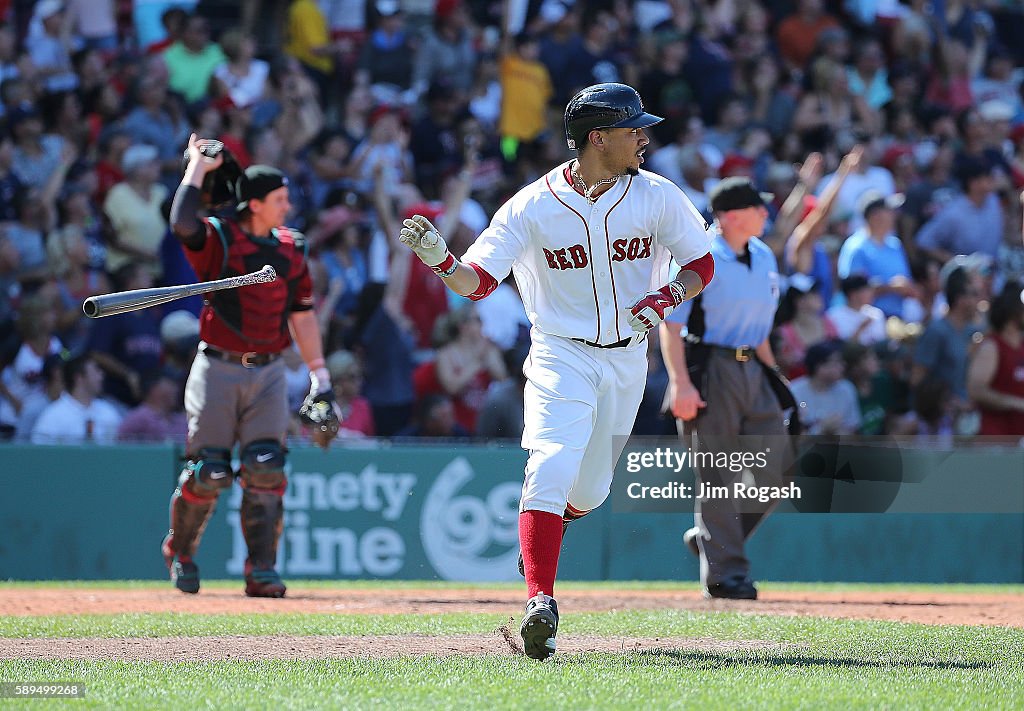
446,268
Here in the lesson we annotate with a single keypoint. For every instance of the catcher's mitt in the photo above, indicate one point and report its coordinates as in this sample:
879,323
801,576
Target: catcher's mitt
319,412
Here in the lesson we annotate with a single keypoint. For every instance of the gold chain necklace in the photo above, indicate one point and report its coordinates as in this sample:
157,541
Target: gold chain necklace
589,192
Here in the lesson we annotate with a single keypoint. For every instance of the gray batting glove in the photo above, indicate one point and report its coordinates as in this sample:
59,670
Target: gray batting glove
424,239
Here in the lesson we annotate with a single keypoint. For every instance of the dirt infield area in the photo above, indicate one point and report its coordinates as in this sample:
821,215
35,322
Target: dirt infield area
924,607
938,608
174,649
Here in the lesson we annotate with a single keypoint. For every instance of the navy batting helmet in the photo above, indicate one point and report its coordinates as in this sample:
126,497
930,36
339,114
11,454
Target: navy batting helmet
604,106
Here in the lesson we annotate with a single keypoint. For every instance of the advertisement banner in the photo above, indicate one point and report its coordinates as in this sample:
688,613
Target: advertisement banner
451,513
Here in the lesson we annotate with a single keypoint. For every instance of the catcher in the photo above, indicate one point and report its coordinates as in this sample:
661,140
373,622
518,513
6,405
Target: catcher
236,389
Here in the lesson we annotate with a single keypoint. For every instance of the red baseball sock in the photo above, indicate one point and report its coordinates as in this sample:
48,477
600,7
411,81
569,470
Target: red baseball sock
540,537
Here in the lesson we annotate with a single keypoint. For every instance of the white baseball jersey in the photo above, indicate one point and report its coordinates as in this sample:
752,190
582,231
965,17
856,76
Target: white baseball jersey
579,266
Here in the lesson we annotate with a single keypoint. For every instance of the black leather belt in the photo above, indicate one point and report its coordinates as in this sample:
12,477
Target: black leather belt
251,359
618,344
741,353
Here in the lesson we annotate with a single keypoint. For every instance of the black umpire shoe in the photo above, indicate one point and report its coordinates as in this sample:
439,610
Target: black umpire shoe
522,565
185,576
690,540
735,589
540,623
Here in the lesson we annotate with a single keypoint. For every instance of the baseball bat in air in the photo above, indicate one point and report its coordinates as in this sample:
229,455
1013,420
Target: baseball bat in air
124,301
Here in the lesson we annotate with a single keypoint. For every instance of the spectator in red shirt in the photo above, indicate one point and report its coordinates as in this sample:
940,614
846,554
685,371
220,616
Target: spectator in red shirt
467,363
797,35
995,374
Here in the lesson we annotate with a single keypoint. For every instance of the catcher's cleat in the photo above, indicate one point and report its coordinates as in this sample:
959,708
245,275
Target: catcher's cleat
264,582
690,540
522,565
540,623
185,575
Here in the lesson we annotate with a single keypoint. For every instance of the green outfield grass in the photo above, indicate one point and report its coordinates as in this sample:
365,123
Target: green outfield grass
811,663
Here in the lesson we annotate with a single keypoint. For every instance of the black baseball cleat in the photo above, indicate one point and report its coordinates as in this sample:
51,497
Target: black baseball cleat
735,589
690,540
264,582
540,623
185,576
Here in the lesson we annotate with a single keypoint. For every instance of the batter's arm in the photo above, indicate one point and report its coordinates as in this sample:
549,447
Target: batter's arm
697,278
684,399
652,308
465,279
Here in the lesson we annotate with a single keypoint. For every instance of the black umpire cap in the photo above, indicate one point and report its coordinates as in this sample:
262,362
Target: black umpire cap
607,105
257,182
737,193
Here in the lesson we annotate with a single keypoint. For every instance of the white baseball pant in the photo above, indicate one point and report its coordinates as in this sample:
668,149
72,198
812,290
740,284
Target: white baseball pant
580,406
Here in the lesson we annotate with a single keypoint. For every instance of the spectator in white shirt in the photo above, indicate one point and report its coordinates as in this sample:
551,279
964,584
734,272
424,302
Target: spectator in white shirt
78,416
828,403
50,43
244,77
21,378
857,319
52,376
504,321
867,176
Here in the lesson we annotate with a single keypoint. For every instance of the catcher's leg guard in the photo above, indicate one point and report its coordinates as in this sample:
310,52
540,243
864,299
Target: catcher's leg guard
192,504
262,515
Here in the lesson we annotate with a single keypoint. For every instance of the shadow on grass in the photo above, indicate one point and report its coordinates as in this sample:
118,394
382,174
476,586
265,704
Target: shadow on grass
721,660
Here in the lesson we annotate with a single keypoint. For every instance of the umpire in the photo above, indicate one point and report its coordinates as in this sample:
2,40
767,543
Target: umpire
723,386
236,389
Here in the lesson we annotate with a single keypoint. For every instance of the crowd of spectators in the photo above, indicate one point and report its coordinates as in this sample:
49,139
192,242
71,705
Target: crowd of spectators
891,134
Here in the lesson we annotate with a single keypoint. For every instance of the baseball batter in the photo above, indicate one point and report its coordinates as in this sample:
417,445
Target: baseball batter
583,242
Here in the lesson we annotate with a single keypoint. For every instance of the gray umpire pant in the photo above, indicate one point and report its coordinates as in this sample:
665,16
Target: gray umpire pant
742,415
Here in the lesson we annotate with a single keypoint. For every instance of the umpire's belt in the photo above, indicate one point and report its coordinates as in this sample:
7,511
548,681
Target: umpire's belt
739,353
618,344
251,359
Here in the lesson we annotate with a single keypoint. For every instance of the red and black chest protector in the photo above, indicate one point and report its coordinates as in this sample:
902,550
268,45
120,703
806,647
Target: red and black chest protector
255,318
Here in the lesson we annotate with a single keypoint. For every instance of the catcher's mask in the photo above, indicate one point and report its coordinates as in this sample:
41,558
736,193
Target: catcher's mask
218,189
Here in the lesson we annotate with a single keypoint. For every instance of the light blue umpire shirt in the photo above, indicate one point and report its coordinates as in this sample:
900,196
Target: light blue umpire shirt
740,302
